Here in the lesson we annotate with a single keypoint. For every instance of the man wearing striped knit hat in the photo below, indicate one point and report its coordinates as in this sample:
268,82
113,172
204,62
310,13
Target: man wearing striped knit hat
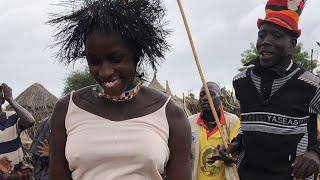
277,140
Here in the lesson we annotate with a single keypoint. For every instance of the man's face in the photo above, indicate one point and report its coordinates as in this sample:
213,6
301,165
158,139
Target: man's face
273,44
203,99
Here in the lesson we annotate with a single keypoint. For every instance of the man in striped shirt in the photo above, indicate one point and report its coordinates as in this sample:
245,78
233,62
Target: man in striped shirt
11,125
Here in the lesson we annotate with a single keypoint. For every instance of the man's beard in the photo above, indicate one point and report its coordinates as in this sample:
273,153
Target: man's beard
3,117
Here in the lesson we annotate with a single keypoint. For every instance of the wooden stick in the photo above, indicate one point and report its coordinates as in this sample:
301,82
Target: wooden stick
185,105
205,84
227,126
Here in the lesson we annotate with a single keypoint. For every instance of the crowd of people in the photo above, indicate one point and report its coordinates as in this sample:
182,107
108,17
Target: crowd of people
120,129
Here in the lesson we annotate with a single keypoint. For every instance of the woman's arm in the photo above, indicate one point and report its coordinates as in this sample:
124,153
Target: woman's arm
58,165
179,164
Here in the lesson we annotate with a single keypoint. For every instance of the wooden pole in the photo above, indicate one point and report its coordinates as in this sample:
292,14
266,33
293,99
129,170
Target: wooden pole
205,84
185,105
311,69
227,126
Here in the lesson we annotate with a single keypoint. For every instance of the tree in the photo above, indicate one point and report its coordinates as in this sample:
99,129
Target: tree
77,80
248,55
191,95
299,56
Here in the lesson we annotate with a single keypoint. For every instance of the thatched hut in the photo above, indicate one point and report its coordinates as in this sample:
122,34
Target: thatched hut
192,104
229,102
168,90
155,84
189,109
26,145
38,101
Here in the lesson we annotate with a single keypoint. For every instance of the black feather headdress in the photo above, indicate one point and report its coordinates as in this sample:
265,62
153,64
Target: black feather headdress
139,22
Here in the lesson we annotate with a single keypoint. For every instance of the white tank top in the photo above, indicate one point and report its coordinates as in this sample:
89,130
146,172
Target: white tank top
101,149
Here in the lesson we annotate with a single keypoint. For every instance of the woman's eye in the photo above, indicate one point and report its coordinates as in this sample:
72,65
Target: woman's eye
116,58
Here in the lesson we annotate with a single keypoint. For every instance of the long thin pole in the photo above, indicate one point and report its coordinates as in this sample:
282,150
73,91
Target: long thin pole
185,105
205,84
311,68
227,126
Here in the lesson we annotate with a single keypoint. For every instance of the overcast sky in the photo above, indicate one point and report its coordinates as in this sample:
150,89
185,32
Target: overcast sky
221,31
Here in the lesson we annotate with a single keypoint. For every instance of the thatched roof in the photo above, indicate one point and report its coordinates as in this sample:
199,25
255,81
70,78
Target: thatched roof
178,100
36,97
182,105
155,84
168,90
192,104
25,138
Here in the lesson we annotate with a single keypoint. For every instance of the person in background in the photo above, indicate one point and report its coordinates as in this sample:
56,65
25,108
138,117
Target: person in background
11,125
206,139
40,150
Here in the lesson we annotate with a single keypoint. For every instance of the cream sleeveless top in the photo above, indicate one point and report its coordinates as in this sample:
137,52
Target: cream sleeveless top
101,149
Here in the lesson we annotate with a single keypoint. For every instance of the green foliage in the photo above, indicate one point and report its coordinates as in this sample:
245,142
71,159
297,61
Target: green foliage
302,58
299,56
191,94
248,55
77,80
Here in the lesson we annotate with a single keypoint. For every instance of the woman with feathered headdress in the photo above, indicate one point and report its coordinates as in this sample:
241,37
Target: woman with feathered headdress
118,129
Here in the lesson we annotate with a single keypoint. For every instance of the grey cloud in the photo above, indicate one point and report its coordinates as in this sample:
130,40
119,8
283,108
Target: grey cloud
221,31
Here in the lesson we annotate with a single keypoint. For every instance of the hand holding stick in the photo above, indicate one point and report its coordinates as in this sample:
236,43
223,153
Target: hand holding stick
205,84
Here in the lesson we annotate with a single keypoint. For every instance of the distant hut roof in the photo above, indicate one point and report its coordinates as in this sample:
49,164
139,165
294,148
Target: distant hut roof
168,90
192,101
192,104
39,102
182,105
155,84
178,100
36,97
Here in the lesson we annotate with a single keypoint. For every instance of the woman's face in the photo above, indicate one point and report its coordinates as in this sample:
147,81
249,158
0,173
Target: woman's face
111,62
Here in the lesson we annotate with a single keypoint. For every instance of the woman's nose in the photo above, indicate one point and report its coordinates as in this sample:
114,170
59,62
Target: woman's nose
106,70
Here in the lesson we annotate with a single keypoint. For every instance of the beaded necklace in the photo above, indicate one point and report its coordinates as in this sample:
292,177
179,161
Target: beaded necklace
127,95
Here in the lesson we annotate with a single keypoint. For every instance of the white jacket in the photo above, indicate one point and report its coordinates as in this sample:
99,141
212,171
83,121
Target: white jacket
231,120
